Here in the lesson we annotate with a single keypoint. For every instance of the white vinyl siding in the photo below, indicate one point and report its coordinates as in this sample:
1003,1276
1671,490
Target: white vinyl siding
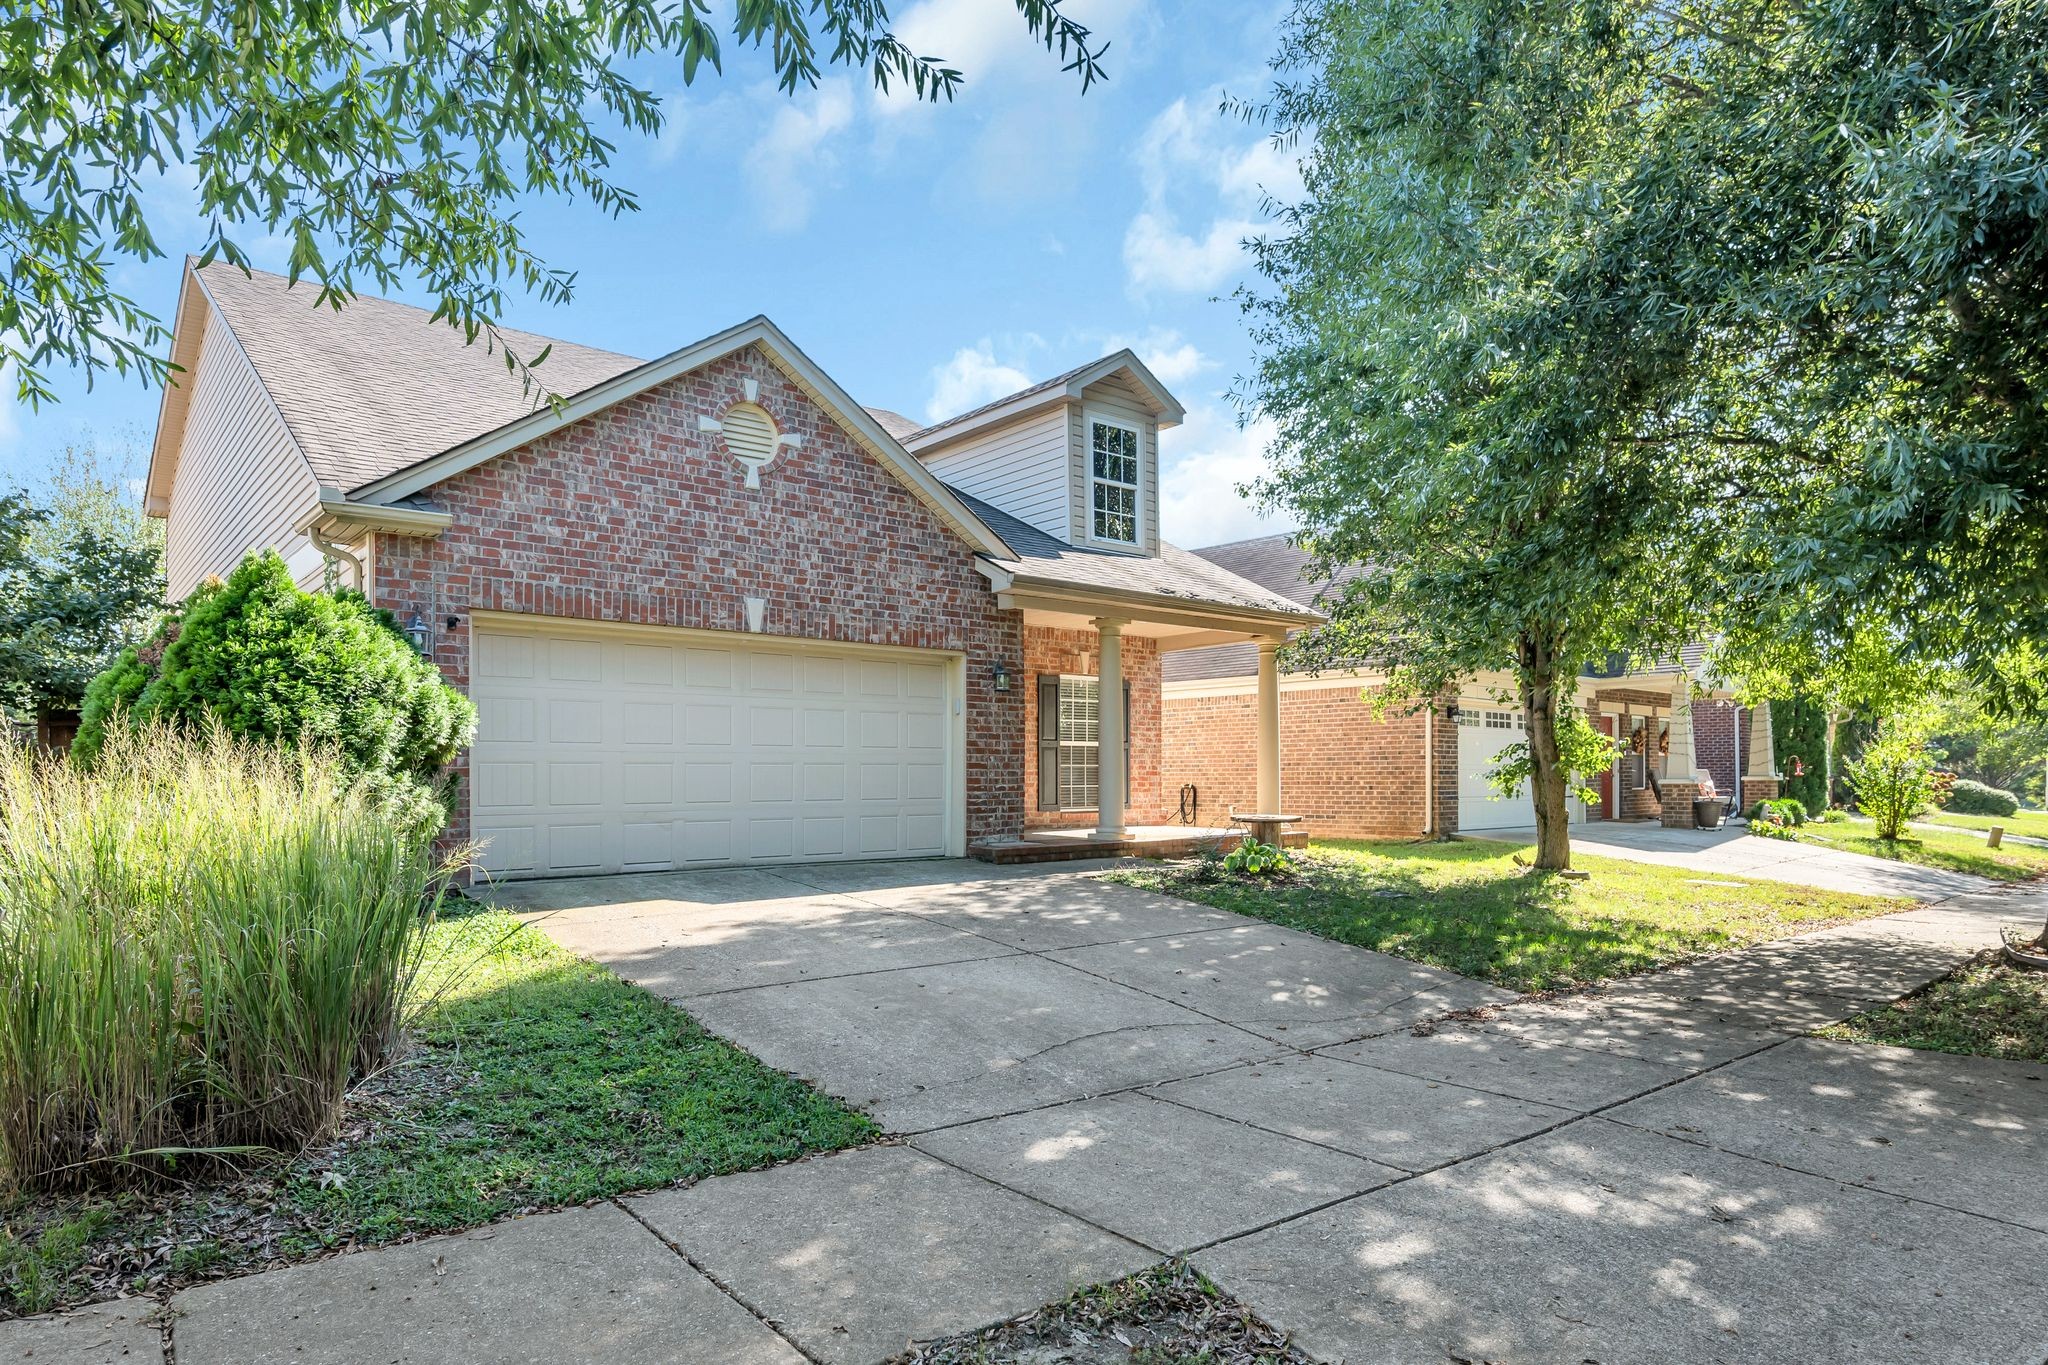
1112,400
241,483
1019,467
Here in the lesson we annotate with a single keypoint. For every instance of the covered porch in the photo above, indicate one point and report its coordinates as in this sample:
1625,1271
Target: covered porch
1090,683
1684,740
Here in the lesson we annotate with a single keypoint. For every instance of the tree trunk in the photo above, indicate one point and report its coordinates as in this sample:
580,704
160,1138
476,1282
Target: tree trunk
1828,780
1548,788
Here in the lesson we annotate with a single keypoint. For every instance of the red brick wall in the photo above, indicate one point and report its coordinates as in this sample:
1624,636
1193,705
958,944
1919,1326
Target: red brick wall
1713,742
1354,776
635,515
1079,652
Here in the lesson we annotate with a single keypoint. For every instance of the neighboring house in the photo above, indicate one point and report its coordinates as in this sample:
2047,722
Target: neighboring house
712,610
1354,774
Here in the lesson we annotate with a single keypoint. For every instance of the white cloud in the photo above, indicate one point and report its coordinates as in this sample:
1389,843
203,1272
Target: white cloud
1172,358
1159,256
1202,462
794,156
1201,166
972,377
675,129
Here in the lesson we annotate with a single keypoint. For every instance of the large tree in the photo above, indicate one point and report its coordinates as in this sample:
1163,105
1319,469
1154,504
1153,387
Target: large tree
81,578
1471,377
386,142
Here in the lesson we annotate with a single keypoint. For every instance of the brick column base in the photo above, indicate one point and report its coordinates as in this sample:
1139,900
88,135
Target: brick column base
1678,799
1755,789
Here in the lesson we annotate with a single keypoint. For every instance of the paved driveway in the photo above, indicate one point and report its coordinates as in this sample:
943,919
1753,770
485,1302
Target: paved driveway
930,994
1732,851
1087,1078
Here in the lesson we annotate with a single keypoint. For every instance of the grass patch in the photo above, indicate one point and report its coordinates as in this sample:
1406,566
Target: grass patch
1465,906
535,1079
1953,851
1168,1315
2033,824
1985,1008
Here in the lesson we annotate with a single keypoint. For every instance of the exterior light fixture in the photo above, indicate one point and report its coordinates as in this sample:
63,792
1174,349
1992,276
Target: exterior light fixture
1001,676
421,634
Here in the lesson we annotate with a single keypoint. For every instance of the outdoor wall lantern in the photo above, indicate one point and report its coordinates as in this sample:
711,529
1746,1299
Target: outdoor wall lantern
1002,677
421,634
1451,712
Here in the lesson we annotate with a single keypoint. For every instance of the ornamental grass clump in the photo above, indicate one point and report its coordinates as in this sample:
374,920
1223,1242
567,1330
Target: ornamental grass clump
202,941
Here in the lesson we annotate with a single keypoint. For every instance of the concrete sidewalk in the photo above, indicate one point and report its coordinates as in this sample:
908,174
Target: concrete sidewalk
1090,1078
1732,851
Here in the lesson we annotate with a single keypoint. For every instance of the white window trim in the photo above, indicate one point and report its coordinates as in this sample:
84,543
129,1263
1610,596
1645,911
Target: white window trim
1089,419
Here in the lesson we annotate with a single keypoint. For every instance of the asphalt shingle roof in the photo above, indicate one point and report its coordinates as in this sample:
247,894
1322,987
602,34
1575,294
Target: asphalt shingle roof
379,386
1175,573
1274,564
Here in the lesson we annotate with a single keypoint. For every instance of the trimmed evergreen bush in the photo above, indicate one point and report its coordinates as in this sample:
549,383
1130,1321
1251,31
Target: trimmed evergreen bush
1799,732
264,659
1976,798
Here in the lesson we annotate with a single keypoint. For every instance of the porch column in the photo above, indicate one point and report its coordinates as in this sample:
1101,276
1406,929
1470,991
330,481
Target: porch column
1269,727
1109,814
1682,764
1763,747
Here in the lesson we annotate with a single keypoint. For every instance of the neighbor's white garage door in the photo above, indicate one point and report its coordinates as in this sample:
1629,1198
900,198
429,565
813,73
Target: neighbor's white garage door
620,749
1483,731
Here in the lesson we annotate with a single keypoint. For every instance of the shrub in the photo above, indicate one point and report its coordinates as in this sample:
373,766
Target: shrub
1893,778
1254,859
1771,829
1976,798
265,660
1785,811
1800,730
202,940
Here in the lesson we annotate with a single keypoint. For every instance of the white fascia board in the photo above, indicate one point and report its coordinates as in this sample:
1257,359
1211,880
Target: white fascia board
757,331
336,512
1168,410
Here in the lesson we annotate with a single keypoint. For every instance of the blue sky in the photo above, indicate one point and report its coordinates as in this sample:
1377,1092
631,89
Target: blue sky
930,257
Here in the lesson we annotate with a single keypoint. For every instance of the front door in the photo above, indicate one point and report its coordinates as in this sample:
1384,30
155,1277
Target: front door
1606,782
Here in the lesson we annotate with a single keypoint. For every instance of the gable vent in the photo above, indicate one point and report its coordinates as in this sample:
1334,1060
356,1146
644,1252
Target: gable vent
749,433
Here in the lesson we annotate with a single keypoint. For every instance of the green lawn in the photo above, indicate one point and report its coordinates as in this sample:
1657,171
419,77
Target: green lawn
1467,907
538,1079
2031,823
1986,1008
1956,850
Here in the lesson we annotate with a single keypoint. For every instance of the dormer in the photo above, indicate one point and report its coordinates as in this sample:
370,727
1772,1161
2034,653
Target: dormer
1077,456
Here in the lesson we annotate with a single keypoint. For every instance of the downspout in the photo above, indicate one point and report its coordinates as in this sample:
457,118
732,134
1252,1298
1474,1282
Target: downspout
336,553
1428,776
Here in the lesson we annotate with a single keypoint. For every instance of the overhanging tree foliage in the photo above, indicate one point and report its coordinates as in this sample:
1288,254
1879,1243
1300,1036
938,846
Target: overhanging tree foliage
1469,385
384,141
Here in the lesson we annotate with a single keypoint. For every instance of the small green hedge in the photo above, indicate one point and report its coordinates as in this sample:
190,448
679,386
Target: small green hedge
1976,798
265,660
1783,811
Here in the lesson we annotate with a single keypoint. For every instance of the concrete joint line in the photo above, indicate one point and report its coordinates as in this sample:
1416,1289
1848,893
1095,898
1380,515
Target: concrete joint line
1818,1175
720,1285
1044,1203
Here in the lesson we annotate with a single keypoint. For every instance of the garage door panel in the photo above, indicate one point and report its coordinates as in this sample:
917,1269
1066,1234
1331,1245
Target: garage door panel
649,722
771,673
646,666
575,848
575,661
503,786
573,720
506,720
606,754
1483,731
648,784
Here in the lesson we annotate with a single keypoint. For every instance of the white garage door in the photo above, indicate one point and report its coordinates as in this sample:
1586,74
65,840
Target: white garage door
623,749
1483,731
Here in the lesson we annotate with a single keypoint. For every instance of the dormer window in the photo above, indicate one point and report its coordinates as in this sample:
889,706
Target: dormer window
1113,482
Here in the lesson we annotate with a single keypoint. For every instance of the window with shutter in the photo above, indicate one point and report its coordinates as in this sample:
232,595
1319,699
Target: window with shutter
1070,743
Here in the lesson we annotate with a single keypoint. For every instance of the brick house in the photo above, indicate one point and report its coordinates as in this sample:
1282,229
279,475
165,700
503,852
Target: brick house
1357,775
712,610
